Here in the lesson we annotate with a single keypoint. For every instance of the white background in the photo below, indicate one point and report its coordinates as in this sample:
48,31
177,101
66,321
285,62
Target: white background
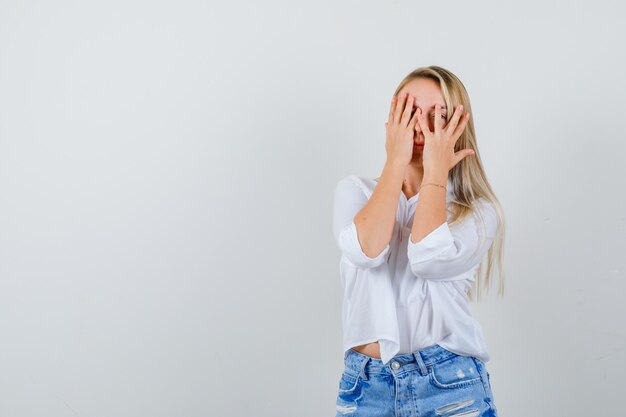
166,181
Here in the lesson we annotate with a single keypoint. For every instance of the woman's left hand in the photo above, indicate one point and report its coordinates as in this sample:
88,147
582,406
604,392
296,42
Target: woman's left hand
438,155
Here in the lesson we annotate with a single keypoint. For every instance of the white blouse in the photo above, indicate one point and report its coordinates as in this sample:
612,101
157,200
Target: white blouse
411,295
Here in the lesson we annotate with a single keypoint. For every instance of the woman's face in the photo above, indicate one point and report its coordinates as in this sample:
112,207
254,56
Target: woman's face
426,94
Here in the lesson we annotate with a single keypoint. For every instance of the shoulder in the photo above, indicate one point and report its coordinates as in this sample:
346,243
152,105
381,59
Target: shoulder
356,179
356,183
484,206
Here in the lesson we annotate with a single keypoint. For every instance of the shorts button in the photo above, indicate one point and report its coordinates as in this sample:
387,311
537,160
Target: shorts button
395,365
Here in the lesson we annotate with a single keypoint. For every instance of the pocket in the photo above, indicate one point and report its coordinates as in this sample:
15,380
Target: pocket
455,372
350,392
349,382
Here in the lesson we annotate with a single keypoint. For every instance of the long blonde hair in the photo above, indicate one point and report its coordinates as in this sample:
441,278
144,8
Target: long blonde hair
469,181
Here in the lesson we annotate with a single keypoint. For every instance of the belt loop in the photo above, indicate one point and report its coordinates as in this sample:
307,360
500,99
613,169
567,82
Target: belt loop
420,363
362,371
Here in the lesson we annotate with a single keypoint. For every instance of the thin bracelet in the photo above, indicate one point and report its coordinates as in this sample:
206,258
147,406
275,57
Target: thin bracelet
432,183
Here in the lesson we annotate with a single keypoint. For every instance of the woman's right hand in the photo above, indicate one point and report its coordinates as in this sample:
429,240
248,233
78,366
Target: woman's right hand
400,130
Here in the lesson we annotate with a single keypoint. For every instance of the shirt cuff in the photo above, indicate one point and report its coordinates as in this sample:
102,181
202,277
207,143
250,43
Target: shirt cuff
431,245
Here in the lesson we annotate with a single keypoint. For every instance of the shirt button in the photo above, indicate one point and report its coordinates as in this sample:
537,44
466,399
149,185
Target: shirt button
395,365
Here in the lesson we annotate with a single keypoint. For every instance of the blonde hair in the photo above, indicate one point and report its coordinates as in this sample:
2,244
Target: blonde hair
469,181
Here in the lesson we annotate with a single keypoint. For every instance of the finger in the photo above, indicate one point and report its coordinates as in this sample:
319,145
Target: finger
413,123
392,108
423,123
406,115
399,108
438,120
461,126
458,157
455,119
417,126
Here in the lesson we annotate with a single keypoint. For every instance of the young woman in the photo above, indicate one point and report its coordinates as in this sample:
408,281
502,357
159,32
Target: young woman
415,243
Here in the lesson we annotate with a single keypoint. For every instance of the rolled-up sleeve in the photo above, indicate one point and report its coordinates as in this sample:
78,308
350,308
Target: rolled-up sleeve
449,251
349,199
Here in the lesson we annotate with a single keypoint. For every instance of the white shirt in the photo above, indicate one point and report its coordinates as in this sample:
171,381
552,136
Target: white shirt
411,295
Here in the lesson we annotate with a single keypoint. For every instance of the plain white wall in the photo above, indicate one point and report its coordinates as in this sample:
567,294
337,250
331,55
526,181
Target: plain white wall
166,181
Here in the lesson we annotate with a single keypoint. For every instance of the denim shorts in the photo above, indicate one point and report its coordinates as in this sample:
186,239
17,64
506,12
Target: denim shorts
432,381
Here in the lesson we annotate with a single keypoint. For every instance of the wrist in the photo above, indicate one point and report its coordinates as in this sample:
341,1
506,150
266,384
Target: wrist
437,177
396,168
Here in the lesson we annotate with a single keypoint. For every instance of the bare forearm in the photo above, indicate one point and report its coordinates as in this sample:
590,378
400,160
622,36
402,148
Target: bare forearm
375,221
430,210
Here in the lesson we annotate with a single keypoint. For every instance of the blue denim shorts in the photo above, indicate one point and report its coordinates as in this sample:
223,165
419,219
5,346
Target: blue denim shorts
432,381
